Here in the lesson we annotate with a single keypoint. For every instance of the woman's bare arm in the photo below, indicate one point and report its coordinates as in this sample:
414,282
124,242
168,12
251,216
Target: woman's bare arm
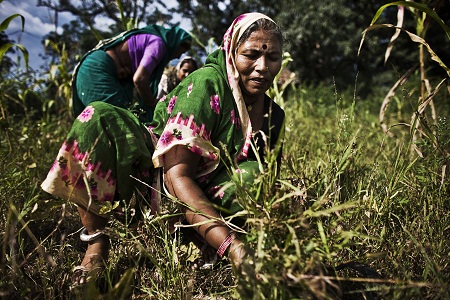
141,83
179,167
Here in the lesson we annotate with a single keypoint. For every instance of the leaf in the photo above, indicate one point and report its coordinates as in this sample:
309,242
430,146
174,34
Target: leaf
415,38
430,97
4,48
391,94
8,20
419,6
400,15
122,289
327,212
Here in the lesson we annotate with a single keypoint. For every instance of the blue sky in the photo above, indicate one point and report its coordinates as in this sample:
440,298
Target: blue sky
38,22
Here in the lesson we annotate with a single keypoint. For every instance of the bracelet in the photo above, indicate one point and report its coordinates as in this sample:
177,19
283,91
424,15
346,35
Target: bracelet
226,243
85,237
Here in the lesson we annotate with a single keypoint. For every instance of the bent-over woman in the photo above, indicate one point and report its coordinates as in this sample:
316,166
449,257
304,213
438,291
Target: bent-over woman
131,60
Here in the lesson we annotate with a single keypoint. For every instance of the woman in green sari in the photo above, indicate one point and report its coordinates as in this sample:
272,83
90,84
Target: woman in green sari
132,60
215,113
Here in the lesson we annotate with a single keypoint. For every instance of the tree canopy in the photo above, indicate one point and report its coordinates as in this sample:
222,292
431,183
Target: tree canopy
322,36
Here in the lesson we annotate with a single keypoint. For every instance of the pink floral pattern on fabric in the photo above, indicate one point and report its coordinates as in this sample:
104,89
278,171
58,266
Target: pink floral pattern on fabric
166,138
171,105
234,119
189,90
244,153
196,137
215,103
216,192
86,114
71,171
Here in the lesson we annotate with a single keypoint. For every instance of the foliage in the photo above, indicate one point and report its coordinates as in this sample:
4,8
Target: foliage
422,15
204,26
345,194
5,63
75,38
124,16
321,36
5,47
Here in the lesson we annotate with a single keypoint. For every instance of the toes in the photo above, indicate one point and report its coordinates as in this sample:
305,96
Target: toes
79,275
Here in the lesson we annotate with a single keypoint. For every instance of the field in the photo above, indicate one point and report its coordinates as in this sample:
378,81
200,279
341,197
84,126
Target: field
355,213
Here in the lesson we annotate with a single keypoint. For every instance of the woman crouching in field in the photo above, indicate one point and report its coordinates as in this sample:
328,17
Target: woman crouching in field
215,113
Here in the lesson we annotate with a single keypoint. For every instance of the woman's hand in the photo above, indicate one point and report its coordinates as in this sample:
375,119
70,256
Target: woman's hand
236,253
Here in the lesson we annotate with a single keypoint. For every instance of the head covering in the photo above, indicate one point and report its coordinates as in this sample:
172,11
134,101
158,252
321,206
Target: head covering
183,60
229,46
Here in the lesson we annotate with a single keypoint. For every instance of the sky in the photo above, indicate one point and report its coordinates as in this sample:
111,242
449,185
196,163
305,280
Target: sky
38,22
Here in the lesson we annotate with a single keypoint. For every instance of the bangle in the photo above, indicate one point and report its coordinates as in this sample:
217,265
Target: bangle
226,243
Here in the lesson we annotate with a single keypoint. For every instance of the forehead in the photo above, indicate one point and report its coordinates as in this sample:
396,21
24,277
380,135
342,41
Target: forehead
261,39
187,65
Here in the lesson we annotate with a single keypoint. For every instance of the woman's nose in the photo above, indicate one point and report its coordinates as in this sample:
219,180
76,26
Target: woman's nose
261,64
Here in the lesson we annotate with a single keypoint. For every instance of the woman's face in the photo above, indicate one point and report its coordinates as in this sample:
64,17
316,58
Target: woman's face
186,68
258,61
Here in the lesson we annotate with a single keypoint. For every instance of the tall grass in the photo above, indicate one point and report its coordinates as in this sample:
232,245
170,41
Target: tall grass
352,214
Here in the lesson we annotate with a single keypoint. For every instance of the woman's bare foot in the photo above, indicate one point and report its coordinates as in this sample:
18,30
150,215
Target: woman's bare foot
97,250
93,262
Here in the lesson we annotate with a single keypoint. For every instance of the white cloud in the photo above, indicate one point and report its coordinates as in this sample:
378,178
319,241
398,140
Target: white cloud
33,24
39,21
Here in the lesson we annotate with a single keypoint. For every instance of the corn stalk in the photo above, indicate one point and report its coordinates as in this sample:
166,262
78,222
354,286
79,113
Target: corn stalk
423,15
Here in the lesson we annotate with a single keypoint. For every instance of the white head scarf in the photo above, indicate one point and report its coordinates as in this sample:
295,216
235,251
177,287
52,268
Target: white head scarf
183,60
230,42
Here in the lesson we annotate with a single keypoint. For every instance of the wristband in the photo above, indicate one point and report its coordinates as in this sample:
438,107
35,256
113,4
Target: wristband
226,243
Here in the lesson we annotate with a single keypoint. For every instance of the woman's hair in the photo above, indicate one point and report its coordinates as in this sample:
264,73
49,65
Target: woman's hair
186,45
261,24
185,60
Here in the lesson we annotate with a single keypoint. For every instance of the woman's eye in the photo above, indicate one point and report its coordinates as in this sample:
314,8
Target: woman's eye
274,58
251,56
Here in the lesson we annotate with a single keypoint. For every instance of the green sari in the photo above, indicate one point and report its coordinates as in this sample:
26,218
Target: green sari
96,71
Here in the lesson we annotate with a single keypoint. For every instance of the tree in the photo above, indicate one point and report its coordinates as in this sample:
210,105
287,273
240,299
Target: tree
321,36
210,19
323,39
125,14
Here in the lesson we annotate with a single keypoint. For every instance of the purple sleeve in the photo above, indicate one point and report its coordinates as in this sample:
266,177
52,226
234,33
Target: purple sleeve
146,50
